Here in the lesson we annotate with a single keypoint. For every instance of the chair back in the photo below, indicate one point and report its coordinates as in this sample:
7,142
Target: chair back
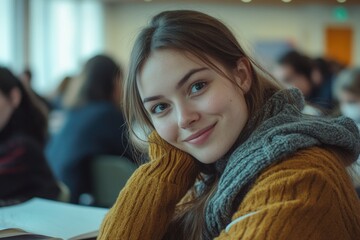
109,175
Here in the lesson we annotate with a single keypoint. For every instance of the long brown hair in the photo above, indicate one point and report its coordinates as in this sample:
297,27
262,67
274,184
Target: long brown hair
206,38
98,81
29,118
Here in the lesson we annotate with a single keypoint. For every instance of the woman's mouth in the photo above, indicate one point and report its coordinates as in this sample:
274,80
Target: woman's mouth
200,136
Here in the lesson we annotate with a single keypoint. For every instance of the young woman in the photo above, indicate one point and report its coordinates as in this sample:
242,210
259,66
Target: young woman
24,172
94,125
231,156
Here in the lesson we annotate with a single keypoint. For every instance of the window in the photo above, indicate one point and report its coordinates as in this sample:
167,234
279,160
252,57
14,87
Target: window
63,35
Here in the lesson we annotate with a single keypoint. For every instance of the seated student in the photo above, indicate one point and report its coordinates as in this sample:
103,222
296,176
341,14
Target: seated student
347,92
56,100
322,77
57,114
24,172
27,79
264,170
295,70
94,125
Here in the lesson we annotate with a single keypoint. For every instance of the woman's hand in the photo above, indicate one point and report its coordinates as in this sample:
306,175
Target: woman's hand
173,163
158,147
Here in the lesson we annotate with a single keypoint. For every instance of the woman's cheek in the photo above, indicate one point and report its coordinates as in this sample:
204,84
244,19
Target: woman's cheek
167,131
215,104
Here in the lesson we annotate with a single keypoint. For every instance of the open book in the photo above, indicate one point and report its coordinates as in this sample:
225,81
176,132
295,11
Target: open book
45,219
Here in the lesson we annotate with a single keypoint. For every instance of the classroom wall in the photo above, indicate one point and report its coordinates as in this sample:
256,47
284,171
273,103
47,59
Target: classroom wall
304,25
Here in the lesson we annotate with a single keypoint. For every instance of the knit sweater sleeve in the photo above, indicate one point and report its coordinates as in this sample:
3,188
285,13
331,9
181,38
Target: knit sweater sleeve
308,196
146,204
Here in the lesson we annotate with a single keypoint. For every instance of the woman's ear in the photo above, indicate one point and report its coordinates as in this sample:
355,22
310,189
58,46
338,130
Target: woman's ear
15,97
243,74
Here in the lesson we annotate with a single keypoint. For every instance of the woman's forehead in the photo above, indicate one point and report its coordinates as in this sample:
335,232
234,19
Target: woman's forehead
172,63
166,66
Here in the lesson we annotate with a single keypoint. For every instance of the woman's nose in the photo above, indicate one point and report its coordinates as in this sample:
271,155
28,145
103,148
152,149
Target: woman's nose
187,116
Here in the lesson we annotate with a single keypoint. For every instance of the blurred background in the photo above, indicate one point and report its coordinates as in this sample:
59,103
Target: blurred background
68,51
53,38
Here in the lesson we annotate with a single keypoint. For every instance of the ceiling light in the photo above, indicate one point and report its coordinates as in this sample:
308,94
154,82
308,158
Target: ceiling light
286,1
341,1
246,1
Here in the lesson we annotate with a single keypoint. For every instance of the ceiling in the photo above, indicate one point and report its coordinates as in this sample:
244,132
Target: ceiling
267,2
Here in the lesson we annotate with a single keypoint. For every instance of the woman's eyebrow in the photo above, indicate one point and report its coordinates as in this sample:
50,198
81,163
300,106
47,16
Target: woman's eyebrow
182,81
188,75
149,99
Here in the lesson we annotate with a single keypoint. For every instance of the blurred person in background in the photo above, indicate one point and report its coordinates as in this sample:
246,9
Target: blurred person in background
322,78
347,92
294,70
335,67
94,125
24,172
56,100
57,114
26,79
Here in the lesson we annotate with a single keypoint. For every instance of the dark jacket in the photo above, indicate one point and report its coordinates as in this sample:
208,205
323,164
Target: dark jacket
95,129
24,172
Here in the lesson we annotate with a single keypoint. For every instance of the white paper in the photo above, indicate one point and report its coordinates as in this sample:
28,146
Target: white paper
51,218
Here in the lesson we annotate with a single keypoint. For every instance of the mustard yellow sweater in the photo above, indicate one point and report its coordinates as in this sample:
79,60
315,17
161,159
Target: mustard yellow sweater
307,196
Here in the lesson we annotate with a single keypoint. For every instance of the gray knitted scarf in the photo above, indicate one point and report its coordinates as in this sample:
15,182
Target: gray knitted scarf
283,131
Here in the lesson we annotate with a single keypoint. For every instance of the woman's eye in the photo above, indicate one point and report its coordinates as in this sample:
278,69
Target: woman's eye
159,108
196,87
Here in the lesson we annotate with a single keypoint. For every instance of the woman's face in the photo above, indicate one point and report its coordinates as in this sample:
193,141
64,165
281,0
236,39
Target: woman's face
6,109
193,107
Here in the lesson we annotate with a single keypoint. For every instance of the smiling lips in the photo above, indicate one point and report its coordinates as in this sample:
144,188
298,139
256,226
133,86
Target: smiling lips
201,136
